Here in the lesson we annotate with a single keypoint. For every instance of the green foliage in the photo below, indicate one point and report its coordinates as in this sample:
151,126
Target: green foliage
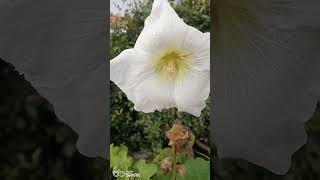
162,177
181,158
146,170
195,13
119,159
146,130
196,169
162,154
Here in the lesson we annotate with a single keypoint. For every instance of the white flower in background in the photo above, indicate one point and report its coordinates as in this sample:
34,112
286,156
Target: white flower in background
169,65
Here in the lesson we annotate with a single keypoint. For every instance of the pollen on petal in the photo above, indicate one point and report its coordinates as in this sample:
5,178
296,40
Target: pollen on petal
171,67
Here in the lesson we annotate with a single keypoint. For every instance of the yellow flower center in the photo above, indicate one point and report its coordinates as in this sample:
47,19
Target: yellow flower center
172,64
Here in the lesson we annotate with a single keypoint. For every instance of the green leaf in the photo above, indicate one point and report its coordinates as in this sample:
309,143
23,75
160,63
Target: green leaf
196,169
119,159
146,170
162,154
160,176
181,158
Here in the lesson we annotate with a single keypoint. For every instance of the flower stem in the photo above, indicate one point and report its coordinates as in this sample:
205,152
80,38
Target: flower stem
174,163
174,114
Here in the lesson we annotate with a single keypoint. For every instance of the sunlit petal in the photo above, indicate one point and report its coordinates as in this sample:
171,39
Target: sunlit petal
190,93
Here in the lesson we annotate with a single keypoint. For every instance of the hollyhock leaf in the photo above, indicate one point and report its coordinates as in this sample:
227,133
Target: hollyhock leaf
146,170
119,159
162,154
196,169
163,177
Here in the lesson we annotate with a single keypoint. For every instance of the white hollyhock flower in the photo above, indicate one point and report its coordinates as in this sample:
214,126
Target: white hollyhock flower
169,65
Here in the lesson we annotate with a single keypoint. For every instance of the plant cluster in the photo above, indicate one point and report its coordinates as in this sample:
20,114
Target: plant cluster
176,163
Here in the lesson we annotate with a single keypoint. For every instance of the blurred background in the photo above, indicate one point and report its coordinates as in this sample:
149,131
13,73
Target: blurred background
34,144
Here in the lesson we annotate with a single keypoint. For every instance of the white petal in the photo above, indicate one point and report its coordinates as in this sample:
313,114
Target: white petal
191,92
127,70
163,29
153,94
132,72
198,44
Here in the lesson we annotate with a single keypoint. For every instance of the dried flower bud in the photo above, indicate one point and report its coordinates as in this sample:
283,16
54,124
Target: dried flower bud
181,169
181,138
166,165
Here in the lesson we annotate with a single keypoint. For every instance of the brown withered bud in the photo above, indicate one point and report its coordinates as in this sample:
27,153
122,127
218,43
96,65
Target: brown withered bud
175,133
166,165
180,138
181,169
188,147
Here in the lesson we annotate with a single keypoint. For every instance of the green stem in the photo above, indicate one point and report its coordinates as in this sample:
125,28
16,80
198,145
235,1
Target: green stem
174,114
174,163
